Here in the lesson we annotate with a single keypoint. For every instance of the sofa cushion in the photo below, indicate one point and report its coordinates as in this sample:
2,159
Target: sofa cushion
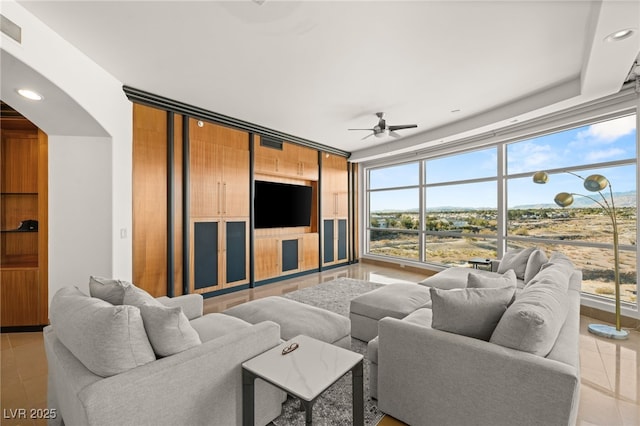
472,312
108,289
393,300
516,260
532,323
295,318
107,339
212,326
535,262
508,279
168,329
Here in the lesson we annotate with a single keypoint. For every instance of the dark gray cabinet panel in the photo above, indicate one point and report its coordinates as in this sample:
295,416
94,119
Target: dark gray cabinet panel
289,255
328,255
205,254
236,251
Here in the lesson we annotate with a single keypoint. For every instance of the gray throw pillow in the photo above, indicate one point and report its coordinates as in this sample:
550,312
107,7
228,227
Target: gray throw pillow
535,262
107,339
508,279
516,260
472,312
107,289
168,329
135,296
532,323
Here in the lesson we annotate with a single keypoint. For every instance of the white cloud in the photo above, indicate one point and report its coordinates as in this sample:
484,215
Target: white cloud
527,156
597,156
607,131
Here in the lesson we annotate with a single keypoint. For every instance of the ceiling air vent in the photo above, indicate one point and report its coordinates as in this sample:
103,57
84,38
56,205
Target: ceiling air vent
10,28
268,142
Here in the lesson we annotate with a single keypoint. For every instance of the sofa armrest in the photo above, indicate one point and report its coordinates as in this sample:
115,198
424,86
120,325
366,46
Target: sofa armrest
494,265
450,379
191,304
202,385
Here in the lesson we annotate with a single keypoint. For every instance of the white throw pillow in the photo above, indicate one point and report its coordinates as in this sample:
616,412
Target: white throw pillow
108,289
168,329
106,339
508,279
516,260
536,260
472,312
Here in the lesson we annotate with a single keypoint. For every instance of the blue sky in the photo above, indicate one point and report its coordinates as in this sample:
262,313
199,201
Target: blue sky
602,142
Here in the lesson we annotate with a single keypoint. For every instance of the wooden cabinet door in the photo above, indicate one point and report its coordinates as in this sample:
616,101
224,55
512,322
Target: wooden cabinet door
19,297
204,179
267,258
234,166
310,252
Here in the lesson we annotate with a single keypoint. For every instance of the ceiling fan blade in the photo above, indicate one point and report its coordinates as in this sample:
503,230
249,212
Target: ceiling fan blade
370,130
368,136
402,126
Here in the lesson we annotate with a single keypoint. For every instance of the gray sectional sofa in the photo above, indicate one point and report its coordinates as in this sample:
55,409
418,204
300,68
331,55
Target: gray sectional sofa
129,359
457,364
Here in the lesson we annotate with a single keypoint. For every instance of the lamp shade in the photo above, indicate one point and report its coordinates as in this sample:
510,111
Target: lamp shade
540,177
595,183
564,199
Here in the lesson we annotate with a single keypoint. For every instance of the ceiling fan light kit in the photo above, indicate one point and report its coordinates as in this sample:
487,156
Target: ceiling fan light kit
381,129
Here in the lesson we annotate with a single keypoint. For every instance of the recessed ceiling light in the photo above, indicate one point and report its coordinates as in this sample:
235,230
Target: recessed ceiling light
620,35
30,94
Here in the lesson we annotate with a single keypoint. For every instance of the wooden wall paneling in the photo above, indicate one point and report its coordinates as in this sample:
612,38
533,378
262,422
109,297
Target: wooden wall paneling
150,199
21,175
19,297
177,206
43,228
24,195
355,213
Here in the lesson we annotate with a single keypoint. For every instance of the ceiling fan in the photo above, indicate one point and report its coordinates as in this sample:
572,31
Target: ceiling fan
381,129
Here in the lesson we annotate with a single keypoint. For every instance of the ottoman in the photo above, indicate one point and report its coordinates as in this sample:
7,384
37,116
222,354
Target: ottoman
393,300
296,318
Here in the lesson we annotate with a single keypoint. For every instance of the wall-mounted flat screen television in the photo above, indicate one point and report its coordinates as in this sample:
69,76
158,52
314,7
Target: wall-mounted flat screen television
280,205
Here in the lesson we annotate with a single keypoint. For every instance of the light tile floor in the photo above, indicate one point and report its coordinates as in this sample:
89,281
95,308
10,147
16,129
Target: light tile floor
609,396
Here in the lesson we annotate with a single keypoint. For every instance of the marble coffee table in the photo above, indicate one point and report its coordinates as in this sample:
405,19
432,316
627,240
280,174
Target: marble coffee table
305,373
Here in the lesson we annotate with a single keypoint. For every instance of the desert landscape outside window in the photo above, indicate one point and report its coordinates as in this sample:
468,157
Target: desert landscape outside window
445,210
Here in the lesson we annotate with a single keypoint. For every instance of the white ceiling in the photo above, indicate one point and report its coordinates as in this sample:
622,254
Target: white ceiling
315,69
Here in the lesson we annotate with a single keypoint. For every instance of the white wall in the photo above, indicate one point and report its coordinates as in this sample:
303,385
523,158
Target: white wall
80,205
90,178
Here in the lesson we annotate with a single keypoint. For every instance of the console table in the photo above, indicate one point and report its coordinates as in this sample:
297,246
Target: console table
305,373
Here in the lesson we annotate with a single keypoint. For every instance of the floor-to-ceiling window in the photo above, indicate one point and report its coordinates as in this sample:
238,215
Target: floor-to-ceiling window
583,230
445,210
460,207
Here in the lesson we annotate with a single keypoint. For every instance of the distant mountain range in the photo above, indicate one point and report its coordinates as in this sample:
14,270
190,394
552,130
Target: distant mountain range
621,199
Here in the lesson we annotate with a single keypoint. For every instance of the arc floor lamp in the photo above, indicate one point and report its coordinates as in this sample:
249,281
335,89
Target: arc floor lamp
597,183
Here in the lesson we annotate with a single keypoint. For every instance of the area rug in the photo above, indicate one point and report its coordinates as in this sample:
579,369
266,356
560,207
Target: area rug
334,406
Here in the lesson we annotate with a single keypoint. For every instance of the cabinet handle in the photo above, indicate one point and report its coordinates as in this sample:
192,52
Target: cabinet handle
301,169
224,198
277,164
219,198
